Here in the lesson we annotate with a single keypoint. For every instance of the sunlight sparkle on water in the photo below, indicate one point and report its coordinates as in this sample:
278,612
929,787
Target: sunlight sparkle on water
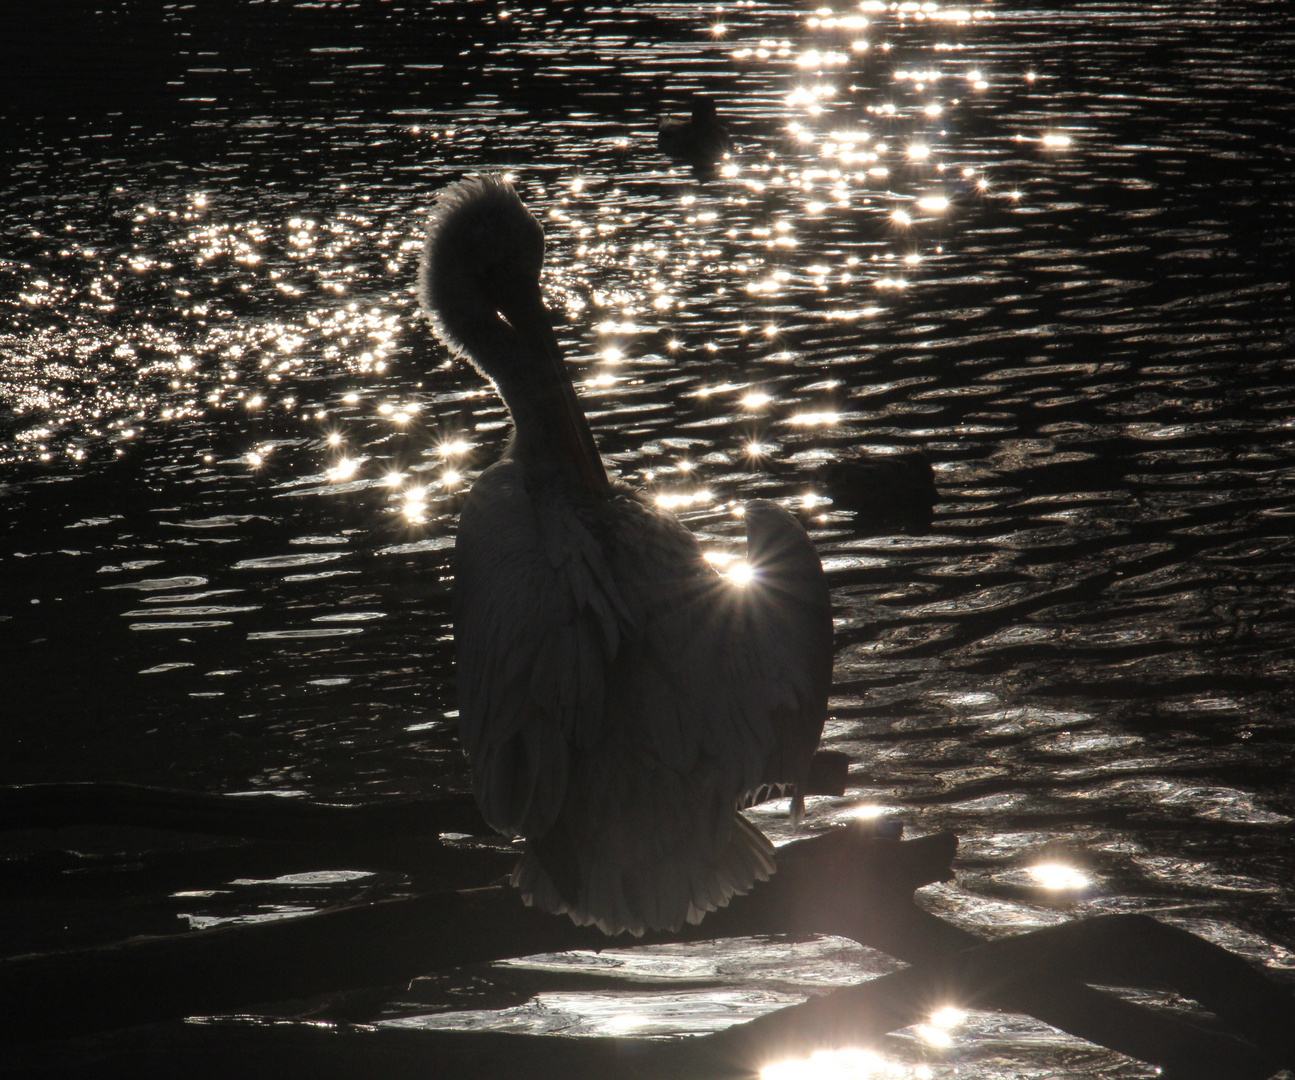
343,470
671,500
868,811
947,1017
1059,876
839,1065
933,1036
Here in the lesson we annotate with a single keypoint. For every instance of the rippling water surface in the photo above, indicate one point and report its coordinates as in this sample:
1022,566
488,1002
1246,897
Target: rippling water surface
1050,249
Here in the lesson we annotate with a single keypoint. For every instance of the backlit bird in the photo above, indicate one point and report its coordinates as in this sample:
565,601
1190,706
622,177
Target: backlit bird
700,140
619,699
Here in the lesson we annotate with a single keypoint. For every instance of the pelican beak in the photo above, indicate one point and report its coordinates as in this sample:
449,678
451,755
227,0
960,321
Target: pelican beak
523,307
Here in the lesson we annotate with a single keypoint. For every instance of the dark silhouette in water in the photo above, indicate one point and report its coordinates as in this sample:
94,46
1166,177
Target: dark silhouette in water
883,491
700,140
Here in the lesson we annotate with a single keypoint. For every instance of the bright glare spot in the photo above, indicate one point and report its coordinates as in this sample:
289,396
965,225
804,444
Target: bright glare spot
1056,140
902,217
756,449
344,469
810,500
400,417
933,202
830,1065
334,438
870,810
449,477
392,479
933,110
948,1017
255,402
613,355
351,399
718,30
740,573
933,1036
1059,876
805,419
449,449
685,466
755,400
919,152
670,501
719,558
627,1021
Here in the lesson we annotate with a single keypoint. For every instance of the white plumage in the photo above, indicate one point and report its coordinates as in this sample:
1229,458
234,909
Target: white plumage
618,698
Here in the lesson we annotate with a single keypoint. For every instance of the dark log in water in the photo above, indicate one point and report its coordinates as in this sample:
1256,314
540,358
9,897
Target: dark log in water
54,806
388,942
266,817
846,882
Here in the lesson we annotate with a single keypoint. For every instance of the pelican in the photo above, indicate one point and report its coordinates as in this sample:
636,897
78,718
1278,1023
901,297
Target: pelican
619,699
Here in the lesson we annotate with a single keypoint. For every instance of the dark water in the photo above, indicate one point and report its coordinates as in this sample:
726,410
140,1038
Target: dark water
1050,248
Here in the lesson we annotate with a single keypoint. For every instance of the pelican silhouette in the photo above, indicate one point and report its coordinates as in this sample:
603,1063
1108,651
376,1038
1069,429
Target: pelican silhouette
619,699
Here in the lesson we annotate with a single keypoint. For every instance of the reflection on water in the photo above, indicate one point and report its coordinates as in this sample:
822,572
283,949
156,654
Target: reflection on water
1041,246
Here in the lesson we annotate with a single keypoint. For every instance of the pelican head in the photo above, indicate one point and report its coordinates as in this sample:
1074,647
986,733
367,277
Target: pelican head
481,261
479,283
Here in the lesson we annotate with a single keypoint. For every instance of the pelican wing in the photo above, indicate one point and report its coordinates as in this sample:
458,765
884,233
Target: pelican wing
787,638
536,627
738,675
600,641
